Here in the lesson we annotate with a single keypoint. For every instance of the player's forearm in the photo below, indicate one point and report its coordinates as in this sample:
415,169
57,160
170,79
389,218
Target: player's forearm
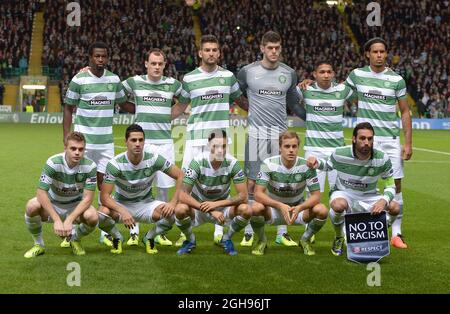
264,199
46,204
110,203
128,107
67,120
407,127
189,200
242,102
178,188
79,210
234,201
310,202
298,110
177,110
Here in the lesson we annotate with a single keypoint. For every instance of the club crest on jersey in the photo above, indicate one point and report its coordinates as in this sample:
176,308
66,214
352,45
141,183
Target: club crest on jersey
298,177
110,87
79,177
166,87
222,80
387,84
282,79
337,94
224,179
371,171
147,172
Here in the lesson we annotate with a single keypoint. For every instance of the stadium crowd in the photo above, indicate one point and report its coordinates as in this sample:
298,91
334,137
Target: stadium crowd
418,46
166,26
418,34
16,20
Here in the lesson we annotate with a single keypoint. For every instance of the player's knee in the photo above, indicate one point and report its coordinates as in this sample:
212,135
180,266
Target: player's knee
33,207
91,217
257,209
104,210
245,211
181,211
320,211
394,208
339,205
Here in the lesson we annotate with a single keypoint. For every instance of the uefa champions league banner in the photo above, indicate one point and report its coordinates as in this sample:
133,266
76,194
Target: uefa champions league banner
235,120
367,237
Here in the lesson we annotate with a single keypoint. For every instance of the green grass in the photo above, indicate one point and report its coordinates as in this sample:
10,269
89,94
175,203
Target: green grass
423,268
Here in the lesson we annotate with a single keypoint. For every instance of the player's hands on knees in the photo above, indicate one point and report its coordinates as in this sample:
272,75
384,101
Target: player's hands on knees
378,207
206,207
312,162
167,210
58,227
128,220
406,152
305,83
218,216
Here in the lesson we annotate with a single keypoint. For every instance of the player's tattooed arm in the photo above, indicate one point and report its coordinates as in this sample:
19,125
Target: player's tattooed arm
186,198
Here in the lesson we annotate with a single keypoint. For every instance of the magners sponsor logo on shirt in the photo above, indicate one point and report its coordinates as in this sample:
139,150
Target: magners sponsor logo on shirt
153,98
355,184
375,95
270,92
212,96
324,107
100,102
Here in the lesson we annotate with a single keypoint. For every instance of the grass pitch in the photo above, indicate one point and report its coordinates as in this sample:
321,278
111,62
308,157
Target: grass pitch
423,268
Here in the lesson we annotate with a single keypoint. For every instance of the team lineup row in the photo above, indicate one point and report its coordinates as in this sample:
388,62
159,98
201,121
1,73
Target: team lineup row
265,88
202,194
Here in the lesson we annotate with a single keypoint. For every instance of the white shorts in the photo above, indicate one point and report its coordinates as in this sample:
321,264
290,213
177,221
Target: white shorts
63,210
356,203
321,175
202,218
142,211
278,219
101,157
190,152
162,180
393,149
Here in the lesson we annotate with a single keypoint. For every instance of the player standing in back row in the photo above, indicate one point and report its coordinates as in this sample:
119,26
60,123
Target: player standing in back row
210,89
379,89
269,86
93,93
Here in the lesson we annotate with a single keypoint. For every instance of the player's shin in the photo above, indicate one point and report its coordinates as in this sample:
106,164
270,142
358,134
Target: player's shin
313,227
185,225
337,219
34,226
108,225
258,223
237,224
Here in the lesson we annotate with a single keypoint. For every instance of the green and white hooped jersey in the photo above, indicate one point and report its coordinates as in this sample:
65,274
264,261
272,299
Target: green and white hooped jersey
359,176
210,184
378,94
95,98
210,95
287,185
154,101
324,116
133,183
65,185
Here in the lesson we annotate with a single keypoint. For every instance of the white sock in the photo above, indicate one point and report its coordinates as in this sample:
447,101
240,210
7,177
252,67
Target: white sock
135,229
397,224
218,230
281,229
80,231
313,227
337,219
34,225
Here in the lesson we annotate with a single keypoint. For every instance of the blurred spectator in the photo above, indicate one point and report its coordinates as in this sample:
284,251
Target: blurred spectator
2,91
16,21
